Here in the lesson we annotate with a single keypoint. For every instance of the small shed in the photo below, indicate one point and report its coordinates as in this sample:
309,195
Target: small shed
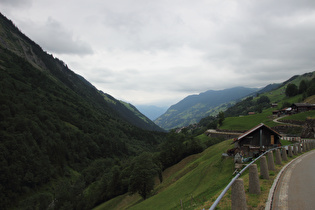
257,140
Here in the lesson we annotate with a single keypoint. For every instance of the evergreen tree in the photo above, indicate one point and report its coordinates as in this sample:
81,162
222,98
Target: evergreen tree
221,118
291,90
302,86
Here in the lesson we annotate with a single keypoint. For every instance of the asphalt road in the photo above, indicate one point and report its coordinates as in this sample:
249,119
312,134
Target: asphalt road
296,186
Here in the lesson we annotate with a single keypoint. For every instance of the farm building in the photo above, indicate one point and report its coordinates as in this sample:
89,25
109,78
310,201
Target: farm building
302,107
257,140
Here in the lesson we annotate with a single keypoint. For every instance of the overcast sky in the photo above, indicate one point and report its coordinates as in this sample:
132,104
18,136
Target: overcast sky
157,52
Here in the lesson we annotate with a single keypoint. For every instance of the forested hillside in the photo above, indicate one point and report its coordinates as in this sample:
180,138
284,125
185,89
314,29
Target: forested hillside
63,145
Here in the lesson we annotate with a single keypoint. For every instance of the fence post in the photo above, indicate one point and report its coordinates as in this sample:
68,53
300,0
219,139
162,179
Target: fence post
271,163
299,148
254,186
238,198
304,146
295,152
264,172
278,157
284,154
290,151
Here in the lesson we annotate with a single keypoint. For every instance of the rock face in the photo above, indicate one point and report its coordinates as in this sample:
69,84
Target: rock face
308,129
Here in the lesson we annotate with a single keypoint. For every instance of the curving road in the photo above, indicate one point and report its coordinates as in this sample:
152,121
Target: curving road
296,186
276,120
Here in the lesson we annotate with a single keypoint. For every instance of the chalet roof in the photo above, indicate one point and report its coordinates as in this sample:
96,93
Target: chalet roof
254,129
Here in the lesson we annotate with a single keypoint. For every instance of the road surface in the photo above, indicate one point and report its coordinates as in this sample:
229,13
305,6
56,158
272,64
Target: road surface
296,186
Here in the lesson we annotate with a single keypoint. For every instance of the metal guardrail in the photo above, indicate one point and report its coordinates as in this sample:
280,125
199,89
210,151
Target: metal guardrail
216,202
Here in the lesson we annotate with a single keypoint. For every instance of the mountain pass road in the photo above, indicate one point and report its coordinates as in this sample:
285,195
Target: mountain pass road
296,186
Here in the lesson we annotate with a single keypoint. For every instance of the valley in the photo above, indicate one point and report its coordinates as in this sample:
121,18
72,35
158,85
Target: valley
67,145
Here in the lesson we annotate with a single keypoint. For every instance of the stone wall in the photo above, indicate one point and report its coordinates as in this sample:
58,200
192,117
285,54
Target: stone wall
308,130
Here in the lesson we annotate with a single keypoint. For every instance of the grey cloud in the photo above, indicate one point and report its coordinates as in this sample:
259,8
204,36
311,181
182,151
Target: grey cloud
53,37
17,3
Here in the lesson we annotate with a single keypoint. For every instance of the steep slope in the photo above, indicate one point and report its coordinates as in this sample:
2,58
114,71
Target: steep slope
200,176
15,41
194,107
59,136
130,113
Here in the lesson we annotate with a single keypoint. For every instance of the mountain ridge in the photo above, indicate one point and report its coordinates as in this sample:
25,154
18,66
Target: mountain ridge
194,107
34,54
60,137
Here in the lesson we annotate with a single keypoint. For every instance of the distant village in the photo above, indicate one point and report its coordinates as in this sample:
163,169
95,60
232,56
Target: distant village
293,109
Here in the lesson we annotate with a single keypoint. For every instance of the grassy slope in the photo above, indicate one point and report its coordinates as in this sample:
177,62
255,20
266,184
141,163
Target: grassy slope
253,201
194,180
249,121
301,116
198,180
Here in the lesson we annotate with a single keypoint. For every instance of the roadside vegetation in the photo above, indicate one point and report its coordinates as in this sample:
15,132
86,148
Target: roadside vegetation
253,201
191,182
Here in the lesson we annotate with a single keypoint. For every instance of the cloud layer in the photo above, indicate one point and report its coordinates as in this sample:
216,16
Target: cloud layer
157,52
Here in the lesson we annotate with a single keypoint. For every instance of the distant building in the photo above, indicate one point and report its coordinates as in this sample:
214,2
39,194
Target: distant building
257,140
302,107
276,113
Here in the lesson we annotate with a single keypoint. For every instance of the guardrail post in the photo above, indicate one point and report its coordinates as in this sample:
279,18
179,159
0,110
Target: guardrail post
254,186
295,152
278,157
304,146
238,198
290,151
284,154
271,163
264,172
299,148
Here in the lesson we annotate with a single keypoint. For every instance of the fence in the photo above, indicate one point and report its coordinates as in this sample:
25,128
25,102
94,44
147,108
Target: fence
307,145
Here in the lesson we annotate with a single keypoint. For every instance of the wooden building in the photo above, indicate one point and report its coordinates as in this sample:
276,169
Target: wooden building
257,140
302,107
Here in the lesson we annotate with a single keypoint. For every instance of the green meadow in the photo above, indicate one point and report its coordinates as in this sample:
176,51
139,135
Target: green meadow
188,184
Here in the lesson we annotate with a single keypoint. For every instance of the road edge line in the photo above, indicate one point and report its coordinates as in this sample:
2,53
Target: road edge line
276,180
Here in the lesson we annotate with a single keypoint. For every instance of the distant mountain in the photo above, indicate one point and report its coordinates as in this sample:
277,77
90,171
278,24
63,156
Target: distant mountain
194,107
152,112
269,87
131,113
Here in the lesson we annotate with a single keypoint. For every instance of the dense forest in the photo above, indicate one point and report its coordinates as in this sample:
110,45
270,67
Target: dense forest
66,145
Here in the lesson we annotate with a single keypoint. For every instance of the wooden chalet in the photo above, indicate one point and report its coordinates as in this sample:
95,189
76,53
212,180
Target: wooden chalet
257,140
302,107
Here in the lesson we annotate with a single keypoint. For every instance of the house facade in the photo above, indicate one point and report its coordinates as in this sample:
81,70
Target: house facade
257,140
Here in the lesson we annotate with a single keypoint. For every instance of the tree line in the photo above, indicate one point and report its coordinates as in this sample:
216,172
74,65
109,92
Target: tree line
306,88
